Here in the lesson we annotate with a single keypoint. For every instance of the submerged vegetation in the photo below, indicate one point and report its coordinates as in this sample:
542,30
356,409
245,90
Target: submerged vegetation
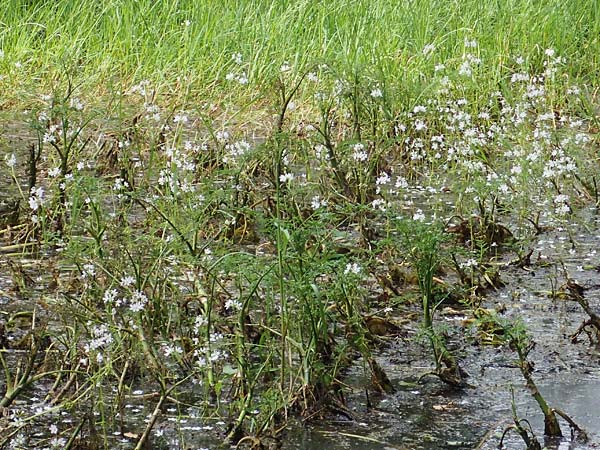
218,208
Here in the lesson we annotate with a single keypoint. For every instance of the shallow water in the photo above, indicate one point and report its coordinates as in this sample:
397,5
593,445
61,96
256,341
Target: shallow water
432,416
14,139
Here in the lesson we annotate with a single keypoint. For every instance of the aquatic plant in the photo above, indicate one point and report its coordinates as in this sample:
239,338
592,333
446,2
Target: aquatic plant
424,244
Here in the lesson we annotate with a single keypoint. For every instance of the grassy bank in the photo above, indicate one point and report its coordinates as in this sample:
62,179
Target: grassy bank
187,46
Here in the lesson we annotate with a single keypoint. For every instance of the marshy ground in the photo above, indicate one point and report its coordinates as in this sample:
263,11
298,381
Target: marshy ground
300,226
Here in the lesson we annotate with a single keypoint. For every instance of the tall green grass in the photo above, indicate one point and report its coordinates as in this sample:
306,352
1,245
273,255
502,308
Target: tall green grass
169,41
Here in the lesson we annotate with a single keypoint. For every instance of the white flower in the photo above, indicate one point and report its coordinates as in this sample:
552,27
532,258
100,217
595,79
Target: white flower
359,153
471,44
88,270
562,210
222,136
418,216
428,49
120,184
48,138
168,350
37,198
286,177
561,203
180,118
376,93
352,268
320,151
101,337
317,202
420,125
401,183
200,321
11,161
519,77
379,204
58,442
469,263
126,281
138,301
110,296
383,179
76,103
233,304
237,58
243,78
465,69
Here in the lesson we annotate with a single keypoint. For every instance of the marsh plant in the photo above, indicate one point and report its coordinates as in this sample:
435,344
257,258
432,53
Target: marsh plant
427,251
516,337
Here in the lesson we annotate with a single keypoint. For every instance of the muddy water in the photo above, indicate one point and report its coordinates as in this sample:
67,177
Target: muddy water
432,416
429,415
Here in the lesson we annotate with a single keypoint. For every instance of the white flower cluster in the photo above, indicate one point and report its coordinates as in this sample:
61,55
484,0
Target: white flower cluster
358,152
234,150
239,76
101,339
11,160
136,301
352,268
317,202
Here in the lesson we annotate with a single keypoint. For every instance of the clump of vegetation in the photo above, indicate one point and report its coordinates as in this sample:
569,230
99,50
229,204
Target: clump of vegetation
424,244
523,429
591,326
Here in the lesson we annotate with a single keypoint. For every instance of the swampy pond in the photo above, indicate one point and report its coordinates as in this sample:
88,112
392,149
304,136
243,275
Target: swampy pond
429,415
299,225
417,415
168,285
